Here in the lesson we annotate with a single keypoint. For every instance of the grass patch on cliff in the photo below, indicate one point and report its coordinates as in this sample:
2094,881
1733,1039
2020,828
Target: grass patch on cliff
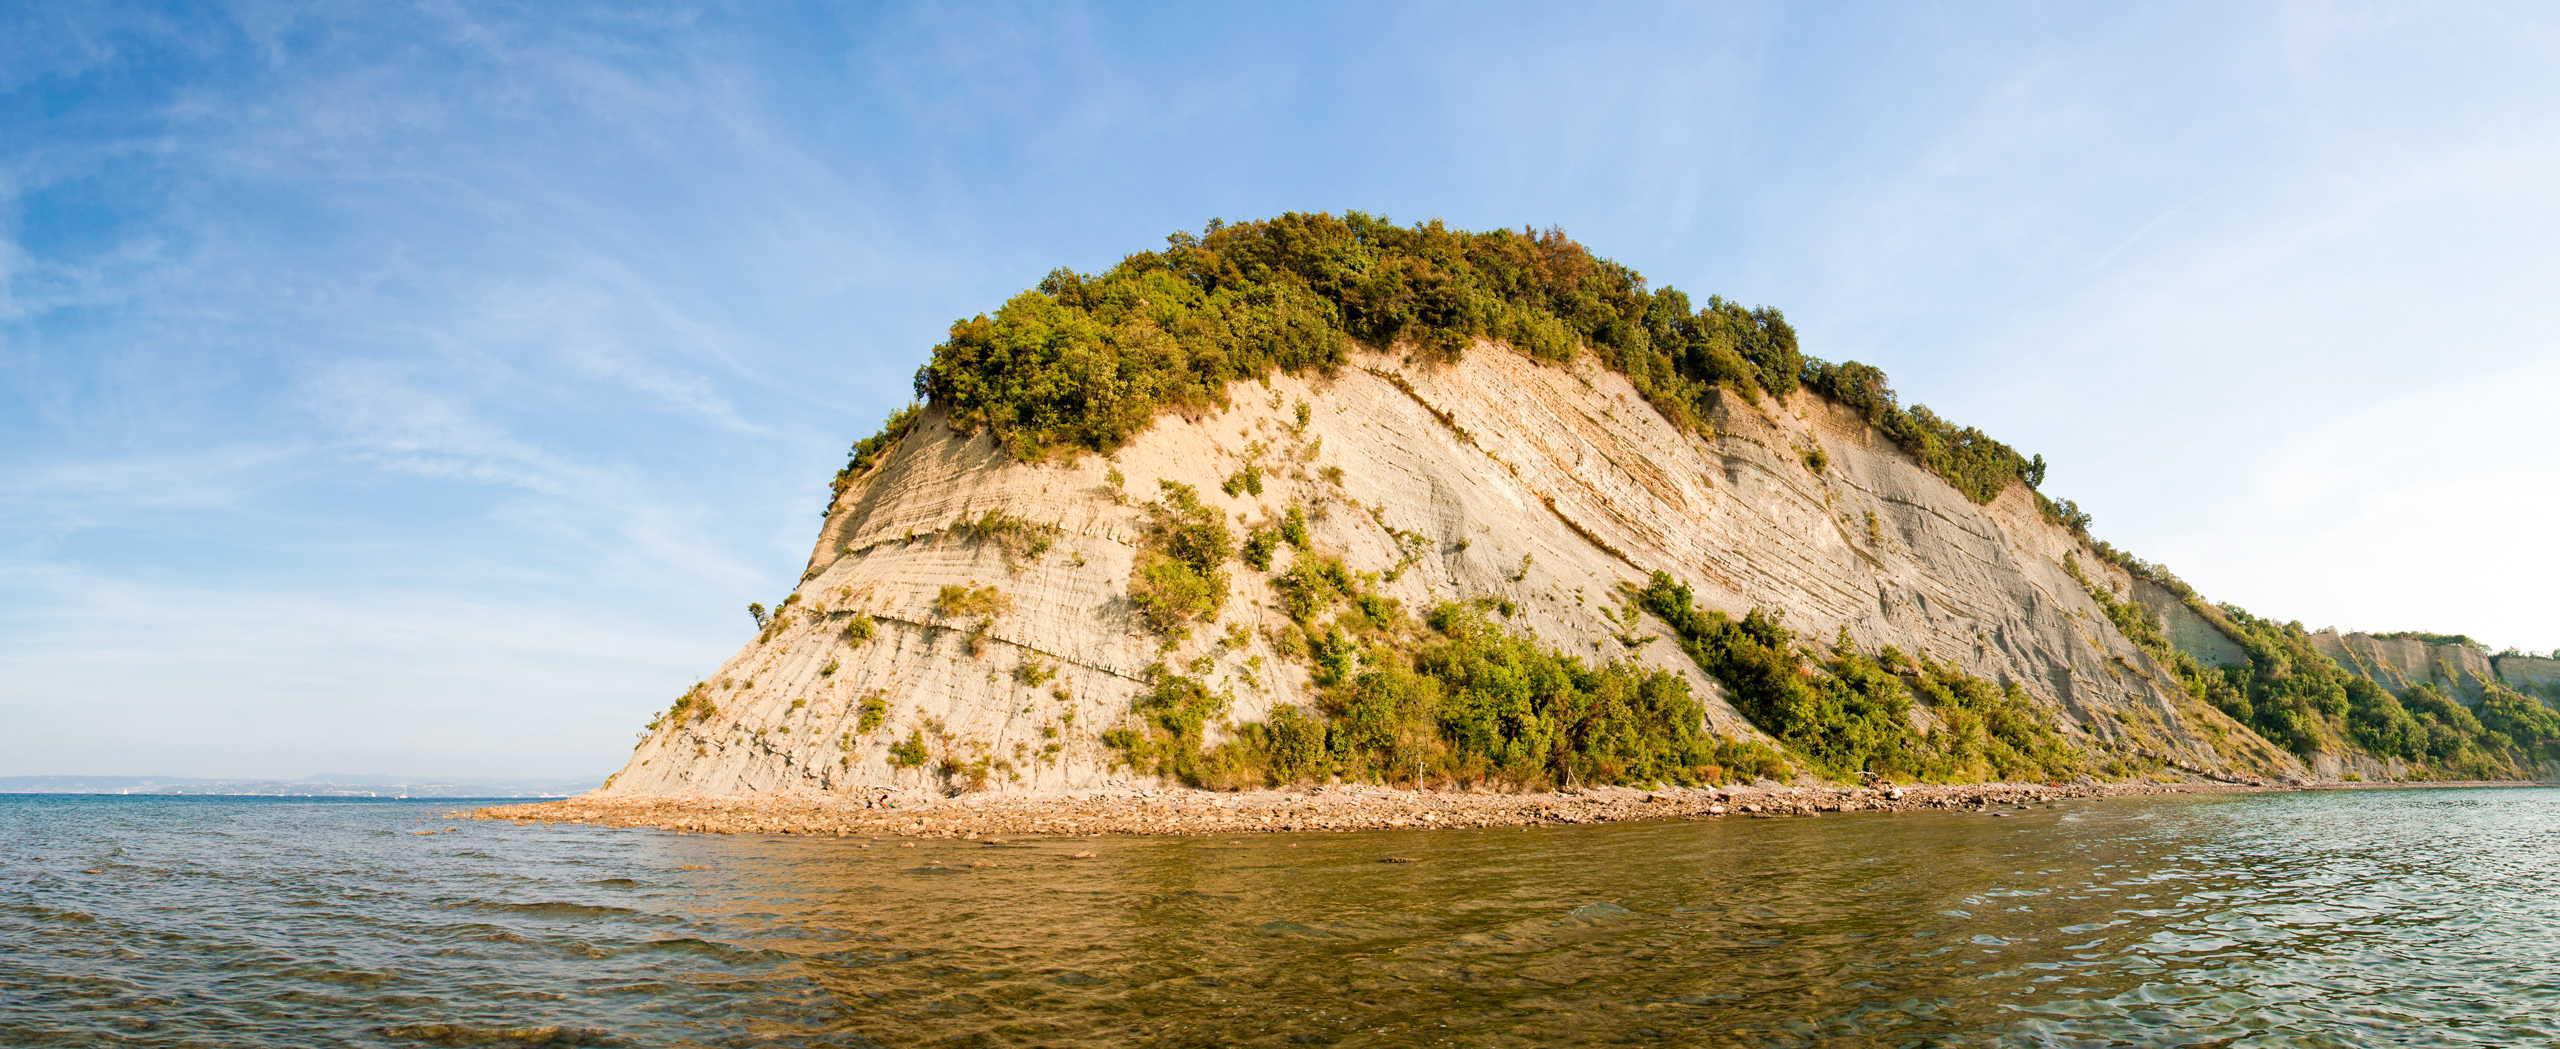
695,705
1849,715
1083,362
958,600
1020,539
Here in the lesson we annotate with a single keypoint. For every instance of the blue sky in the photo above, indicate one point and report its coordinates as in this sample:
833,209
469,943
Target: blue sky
426,389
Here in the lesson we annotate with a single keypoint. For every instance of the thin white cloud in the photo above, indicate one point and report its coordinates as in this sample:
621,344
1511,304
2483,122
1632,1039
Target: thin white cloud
236,681
424,331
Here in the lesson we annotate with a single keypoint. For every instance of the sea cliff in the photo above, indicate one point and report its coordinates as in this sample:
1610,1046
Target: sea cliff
1552,490
1324,500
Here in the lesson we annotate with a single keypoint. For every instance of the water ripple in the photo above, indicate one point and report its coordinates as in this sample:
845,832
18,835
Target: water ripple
2334,919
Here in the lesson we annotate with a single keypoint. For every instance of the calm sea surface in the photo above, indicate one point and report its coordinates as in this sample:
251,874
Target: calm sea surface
2331,919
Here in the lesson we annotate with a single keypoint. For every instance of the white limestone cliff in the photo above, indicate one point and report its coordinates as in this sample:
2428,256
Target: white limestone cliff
1547,487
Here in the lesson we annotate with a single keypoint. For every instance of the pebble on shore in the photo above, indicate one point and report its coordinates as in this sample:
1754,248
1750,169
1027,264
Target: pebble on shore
1176,811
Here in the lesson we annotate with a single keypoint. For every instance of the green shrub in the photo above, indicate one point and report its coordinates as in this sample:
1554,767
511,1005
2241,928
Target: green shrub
1259,543
1528,713
1171,596
1177,580
1172,720
2433,638
1246,481
2528,722
1749,760
867,452
1033,672
909,753
1311,585
1293,527
1294,741
873,710
1187,531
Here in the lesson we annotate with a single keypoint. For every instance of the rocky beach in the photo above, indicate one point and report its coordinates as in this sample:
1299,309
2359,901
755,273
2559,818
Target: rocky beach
1141,811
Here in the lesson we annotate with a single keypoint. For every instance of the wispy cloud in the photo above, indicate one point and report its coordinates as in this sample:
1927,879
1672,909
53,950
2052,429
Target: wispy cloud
461,360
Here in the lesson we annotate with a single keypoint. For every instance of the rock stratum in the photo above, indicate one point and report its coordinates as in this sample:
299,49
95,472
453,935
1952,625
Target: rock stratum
1553,489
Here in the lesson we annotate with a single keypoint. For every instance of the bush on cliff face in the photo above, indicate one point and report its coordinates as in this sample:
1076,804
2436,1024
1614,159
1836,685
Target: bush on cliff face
2531,725
1852,716
1085,361
910,752
1452,700
1178,579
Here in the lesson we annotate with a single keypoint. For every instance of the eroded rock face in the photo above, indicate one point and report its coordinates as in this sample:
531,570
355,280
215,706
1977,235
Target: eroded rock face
2461,671
2399,663
1550,488
2529,672
2186,630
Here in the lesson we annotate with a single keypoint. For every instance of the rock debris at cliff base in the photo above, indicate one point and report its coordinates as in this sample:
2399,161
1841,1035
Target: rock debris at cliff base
1195,812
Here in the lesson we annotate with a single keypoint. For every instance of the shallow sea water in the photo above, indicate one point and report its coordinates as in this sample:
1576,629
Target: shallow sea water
2427,917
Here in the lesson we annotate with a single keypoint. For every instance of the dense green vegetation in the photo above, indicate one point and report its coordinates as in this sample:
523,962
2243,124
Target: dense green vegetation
1850,716
1451,699
2295,696
1085,361
2432,638
2532,725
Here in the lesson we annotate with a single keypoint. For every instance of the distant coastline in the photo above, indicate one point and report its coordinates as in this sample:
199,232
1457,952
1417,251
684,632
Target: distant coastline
321,786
